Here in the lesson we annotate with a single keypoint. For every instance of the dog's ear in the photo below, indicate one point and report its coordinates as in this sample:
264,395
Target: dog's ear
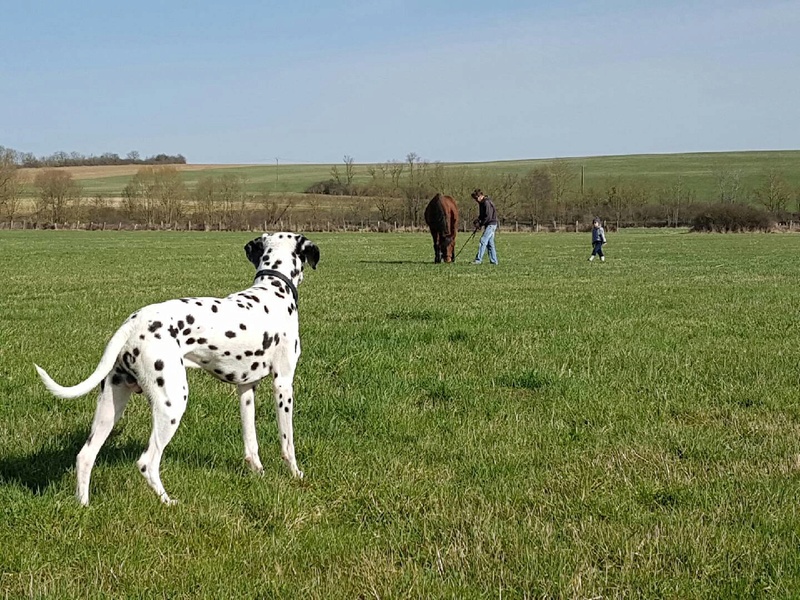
254,251
308,251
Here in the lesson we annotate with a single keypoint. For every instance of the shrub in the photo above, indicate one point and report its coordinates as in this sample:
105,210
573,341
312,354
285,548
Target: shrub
725,218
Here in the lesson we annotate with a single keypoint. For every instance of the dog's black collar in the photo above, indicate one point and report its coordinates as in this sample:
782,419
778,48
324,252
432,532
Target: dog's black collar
279,275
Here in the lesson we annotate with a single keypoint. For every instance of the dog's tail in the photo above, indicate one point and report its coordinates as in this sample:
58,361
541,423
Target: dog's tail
107,361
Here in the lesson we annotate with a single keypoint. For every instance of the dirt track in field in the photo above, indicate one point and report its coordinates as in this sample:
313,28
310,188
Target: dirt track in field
27,175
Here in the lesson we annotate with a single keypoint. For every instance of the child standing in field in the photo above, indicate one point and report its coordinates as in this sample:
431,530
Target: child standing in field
598,239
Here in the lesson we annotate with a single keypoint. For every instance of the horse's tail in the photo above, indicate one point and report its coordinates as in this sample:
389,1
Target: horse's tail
439,216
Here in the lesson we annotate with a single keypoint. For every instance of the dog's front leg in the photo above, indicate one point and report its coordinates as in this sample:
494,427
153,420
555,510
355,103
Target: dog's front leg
247,407
284,408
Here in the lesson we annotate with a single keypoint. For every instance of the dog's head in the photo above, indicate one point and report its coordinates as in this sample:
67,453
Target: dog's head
284,252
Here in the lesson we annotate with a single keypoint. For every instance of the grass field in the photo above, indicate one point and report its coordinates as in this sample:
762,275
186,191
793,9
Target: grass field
545,428
698,171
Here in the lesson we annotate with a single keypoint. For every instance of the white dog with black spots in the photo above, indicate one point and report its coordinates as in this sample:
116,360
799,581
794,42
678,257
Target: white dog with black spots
240,339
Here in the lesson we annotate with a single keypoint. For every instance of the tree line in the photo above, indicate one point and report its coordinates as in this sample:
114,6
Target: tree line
553,195
76,159
549,196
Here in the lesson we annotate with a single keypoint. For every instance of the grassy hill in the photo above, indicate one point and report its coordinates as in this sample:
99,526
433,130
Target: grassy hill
698,171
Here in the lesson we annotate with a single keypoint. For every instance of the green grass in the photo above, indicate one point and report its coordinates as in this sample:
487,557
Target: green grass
698,171
546,428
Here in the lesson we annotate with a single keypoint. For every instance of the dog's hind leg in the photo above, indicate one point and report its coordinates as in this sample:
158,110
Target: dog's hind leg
113,399
168,396
284,408
247,407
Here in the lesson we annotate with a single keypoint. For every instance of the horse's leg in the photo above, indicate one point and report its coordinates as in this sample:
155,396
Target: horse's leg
437,252
451,246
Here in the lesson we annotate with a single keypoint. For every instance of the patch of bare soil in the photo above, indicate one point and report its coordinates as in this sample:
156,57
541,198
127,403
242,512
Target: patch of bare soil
28,175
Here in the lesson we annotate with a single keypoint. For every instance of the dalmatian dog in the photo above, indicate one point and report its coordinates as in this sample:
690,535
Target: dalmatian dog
240,339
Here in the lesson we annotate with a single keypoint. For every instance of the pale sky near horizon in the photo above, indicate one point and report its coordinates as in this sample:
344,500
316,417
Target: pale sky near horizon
311,82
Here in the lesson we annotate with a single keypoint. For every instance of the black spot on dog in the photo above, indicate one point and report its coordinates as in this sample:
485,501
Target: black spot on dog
157,336
154,326
212,347
102,385
280,404
180,324
202,340
238,357
259,353
248,353
218,371
143,468
198,303
160,381
189,319
230,334
214,308
169,403
286,409
159,365
136,352
242,326
141,337
130,379
277,339
227,353
189,341
265,344
173,331
173,421
254,366
266,310
187,331
248,402
230,376
184,300
290,309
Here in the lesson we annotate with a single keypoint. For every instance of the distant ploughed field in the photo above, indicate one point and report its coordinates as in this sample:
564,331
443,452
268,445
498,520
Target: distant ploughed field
93,172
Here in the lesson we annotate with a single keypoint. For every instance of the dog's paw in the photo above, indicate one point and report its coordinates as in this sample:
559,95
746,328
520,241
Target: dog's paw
255,465
167,501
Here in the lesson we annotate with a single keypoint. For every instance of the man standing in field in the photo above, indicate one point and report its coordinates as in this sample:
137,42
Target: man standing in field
598,239
487,217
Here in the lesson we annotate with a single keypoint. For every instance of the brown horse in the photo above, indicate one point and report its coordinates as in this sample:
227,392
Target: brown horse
441,215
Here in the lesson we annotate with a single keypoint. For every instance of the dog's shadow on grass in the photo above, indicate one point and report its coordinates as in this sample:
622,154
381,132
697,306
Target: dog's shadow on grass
53,462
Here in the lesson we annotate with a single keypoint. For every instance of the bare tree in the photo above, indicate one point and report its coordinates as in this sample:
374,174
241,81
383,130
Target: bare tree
348,169
9,183
56,192
773,193
412,159
562,176
155,193
536,190
676,198
729,184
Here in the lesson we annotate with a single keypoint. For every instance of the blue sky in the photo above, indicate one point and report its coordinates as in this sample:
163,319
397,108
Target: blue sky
249,82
